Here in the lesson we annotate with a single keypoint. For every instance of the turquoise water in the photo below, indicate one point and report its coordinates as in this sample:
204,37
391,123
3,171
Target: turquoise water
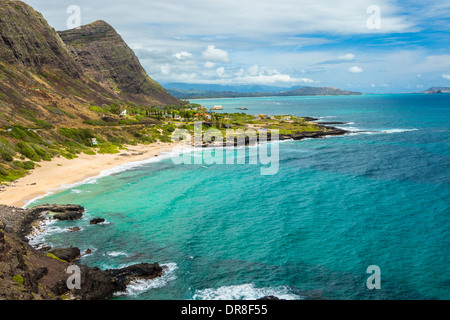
336,206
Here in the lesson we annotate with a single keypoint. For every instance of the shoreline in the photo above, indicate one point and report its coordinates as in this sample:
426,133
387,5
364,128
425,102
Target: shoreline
54,174
60,172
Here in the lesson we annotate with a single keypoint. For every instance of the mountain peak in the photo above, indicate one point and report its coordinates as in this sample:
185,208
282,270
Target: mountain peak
106,58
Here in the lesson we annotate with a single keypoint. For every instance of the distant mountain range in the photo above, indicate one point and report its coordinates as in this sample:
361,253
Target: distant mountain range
437,90
193,91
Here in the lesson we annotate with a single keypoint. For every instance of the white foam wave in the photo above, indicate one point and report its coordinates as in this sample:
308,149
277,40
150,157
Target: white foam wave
398,130
139,286
117,254
246,291
356,131
327,117
44,228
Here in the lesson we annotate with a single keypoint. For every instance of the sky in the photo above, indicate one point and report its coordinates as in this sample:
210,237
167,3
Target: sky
371,46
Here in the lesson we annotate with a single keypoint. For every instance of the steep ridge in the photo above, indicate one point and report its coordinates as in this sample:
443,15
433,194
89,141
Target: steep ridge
27,40
54,96
44,79
106,58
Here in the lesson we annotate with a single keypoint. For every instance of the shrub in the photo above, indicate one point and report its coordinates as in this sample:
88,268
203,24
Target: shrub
28,151
96,109
90,152
82,136
44,124
28,165
9,174
108,148
7,152
43,153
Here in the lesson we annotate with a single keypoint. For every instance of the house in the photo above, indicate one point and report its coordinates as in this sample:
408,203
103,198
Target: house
124,112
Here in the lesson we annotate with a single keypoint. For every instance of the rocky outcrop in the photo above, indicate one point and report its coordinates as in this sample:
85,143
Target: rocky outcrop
98,284
25,273
20,221
16,220
56,208
62,212
97,221
313,135
67,254
28,274
234,141
68,215
269,298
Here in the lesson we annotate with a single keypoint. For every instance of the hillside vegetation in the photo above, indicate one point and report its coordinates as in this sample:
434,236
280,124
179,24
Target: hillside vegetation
59,91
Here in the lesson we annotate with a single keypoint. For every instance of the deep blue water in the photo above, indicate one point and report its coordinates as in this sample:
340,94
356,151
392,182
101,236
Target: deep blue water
336,206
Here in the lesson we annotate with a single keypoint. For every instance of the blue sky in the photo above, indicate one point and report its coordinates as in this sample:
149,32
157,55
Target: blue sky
280,43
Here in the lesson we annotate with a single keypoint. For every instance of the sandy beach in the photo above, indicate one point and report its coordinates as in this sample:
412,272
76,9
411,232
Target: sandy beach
61,171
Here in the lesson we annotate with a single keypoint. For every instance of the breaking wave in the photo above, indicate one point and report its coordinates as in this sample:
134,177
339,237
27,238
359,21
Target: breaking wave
246,291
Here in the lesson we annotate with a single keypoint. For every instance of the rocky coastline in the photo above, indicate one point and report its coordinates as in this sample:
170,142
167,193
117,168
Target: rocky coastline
30,274
296,136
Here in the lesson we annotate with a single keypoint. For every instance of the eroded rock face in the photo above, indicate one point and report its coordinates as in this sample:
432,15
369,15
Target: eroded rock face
68,215
28,274
67,254
56,208
269,298
63,212
27,39
16,220
106,58
138,271
97,221
98,284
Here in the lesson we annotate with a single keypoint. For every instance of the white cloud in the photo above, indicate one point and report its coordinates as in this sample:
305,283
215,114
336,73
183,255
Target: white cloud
165,69
253,70
355,69
347,56
216,55
206,18
170,37
182,54
221,71
271,79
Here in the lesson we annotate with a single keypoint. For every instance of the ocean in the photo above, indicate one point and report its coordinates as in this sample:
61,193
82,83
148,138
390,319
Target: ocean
335,207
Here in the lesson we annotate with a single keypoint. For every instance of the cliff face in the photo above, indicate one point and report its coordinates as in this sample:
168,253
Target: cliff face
107,59
27,40
44,79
